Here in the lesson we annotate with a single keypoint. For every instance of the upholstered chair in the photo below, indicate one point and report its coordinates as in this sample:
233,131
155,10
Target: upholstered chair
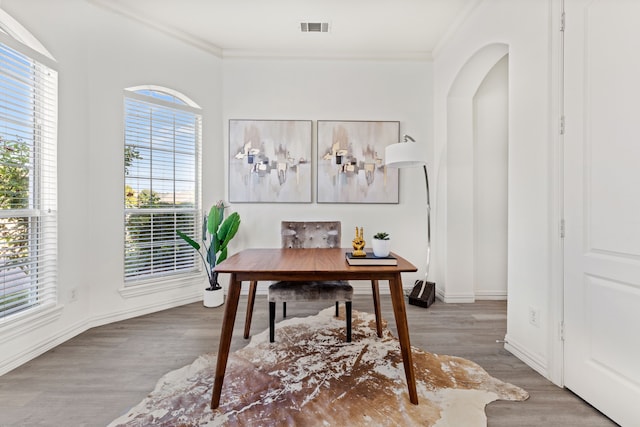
301,235
304,235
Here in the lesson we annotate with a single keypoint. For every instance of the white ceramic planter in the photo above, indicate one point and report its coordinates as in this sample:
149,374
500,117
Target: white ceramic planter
213,298
381,248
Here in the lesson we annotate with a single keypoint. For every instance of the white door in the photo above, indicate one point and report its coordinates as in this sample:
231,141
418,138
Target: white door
602,205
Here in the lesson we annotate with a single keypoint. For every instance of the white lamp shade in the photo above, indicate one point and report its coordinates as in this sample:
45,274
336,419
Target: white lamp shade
403,155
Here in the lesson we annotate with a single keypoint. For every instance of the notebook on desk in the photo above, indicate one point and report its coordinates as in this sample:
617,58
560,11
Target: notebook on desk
370,259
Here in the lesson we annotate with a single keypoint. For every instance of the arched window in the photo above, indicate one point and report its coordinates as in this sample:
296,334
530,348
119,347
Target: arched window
162,182
28,187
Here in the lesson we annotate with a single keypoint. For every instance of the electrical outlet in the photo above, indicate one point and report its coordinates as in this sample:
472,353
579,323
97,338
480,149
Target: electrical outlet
73,295
534,316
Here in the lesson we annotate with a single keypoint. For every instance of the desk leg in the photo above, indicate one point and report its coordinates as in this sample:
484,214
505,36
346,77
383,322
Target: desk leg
225,338
375,290
250,301
397,299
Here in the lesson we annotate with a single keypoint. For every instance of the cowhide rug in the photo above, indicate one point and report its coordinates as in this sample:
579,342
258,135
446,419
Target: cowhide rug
311,377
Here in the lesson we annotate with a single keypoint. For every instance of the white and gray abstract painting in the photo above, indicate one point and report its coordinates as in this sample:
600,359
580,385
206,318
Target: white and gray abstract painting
270,161
351,166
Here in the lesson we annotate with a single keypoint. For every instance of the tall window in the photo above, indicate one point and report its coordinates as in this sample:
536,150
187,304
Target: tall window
162,185
28,211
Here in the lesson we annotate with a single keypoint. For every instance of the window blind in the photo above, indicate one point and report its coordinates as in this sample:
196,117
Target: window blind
28,183
162,157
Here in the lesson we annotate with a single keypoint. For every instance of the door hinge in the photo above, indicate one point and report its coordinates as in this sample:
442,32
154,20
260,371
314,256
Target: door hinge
562,22
561,331
561,125
562,229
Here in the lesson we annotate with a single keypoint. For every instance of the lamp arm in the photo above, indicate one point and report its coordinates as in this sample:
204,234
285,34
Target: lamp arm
426,178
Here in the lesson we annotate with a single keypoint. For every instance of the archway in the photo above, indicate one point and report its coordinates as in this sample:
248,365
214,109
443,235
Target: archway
471,202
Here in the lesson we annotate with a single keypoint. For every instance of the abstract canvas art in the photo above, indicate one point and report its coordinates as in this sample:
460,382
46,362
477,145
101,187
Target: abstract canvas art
270,161
351,166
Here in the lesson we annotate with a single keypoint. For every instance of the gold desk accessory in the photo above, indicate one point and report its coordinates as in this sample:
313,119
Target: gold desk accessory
358,244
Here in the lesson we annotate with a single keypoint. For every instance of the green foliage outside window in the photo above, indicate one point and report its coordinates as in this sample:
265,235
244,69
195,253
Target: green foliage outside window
161,143
14,195
150,238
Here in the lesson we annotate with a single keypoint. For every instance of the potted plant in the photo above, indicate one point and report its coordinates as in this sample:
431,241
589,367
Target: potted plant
381,244
219,232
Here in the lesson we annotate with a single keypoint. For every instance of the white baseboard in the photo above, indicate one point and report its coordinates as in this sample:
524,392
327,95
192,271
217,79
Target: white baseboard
491,295
24,323
533,360
71,331
41,347
147,309
455,298
470,297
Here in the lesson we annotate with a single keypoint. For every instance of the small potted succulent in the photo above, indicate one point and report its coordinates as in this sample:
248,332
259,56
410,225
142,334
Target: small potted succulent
219,232
381,244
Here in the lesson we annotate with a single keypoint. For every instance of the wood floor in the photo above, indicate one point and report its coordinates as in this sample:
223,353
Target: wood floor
97,376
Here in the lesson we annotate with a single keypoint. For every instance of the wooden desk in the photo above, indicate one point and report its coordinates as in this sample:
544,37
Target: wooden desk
307,264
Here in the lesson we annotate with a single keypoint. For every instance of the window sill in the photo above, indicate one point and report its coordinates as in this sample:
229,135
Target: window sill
26,322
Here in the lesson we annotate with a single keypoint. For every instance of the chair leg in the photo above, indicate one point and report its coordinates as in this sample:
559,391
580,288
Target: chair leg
348,315
250,302
337,308
284,309
376,306
272,321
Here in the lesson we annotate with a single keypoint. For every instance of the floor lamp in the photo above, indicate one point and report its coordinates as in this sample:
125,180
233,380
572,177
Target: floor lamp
403,155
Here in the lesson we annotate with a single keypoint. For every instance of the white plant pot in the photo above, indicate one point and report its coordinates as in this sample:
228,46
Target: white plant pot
381,248
213,298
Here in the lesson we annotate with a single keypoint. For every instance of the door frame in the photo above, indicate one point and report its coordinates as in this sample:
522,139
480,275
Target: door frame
555,368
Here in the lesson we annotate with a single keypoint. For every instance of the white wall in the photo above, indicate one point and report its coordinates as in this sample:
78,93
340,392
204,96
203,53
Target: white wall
490,175
337,90
524,26
99,54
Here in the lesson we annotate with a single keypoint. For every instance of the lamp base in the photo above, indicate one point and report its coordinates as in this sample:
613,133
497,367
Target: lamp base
423,294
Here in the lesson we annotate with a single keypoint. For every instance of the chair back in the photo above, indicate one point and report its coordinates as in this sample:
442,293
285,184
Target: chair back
314,234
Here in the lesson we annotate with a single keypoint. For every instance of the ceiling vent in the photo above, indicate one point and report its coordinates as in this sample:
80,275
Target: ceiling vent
314,27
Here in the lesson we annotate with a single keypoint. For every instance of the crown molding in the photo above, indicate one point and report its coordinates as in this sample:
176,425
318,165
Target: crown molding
326,55
453,28
164,28
219,52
